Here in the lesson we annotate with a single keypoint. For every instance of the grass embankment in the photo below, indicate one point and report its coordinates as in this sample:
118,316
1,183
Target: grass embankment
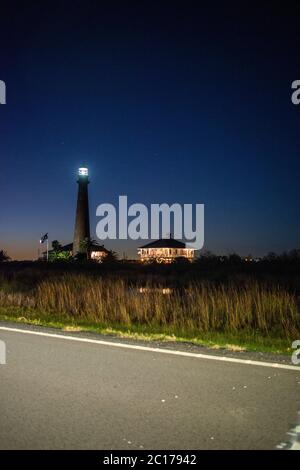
250,317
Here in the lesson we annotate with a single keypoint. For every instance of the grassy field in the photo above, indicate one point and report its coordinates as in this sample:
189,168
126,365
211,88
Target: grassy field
247,316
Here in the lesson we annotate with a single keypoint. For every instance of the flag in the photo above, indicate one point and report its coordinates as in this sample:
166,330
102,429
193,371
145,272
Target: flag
44,238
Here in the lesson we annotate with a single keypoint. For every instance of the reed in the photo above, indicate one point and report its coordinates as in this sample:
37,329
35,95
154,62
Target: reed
198,308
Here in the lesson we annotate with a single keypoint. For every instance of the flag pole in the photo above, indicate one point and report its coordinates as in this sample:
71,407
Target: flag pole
47,249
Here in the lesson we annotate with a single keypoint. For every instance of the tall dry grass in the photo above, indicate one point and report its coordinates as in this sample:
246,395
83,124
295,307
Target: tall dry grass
198,308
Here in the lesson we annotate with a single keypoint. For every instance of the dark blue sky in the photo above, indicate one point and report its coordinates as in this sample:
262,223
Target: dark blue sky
166,103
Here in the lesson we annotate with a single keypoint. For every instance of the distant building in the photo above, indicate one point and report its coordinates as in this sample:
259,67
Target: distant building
95,252
82,244
250,259
82,220
165,250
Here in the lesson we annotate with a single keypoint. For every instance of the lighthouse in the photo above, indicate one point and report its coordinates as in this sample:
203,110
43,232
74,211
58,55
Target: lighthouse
82,222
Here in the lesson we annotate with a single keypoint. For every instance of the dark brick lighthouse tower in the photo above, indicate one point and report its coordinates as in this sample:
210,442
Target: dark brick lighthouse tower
82,223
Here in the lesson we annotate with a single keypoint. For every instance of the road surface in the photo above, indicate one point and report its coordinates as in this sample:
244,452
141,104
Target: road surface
57,393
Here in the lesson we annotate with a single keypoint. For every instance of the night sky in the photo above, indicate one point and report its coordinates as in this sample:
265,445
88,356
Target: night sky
163,101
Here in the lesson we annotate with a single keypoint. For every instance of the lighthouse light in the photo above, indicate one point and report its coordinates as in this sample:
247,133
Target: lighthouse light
83,171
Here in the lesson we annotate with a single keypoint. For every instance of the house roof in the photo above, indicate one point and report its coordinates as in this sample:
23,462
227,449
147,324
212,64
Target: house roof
92,247
68,247
164,243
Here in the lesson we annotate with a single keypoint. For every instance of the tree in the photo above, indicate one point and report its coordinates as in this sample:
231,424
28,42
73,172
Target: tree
56,246
271,256
294,255
85,246
234,258
111,257
3,256
206,256
57,253
59,256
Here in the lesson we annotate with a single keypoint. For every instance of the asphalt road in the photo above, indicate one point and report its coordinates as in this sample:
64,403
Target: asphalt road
62,394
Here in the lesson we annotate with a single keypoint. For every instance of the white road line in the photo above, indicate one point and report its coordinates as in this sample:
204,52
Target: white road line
155,350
